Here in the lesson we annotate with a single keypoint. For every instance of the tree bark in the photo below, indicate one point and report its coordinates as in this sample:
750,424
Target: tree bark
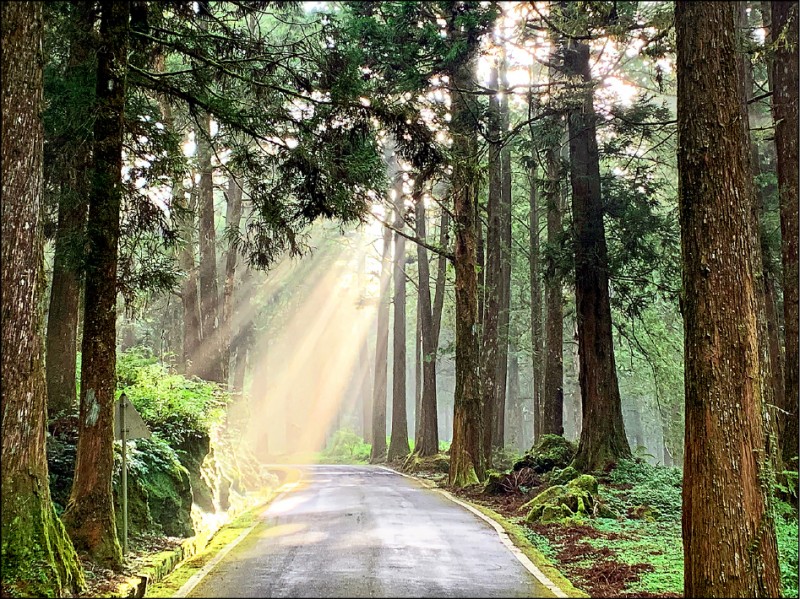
378,451
536,307
398,443
233,217
785,71
38,557
89,515
427,439
492,274
728,534
603,439
63,314
553,393
466,455
210,355
244,336
504,315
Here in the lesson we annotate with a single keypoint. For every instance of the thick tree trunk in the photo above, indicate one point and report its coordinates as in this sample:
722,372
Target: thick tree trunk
190,298
210,355
63,314
466,461
553,393
603,439
785,71
38,557
441,278
398,443
89,515
728,535
492,274
427,440
233,217
504,315
378,451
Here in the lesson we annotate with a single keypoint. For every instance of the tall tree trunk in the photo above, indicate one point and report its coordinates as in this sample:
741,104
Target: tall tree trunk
378,451
536,308
233,217
728,536
210,358
603,439
785,70
466,461
492,281
89,515
553,393
63,315
417,372
427,440
772,386
398,443
38,557
441,278
244,336
504,315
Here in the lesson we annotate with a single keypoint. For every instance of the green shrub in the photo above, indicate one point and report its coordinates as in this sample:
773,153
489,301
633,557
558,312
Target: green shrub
654,486
346,447
171,404
786,531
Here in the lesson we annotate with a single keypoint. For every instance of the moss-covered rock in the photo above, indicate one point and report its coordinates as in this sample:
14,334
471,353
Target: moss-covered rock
562,477
436,463
574,500
552,451
191,452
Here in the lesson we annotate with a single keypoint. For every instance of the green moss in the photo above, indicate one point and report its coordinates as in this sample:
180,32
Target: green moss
552,451
37,556
569,503
562,477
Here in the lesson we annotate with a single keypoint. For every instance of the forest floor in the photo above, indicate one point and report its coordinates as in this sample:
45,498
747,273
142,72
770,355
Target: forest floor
626,556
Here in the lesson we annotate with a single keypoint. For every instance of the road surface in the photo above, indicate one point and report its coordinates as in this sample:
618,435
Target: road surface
351,531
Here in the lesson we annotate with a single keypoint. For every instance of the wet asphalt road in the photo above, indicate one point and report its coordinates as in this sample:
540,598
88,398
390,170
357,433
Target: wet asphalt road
352,531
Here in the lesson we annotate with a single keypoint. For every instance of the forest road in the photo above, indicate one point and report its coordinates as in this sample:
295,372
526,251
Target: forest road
351,531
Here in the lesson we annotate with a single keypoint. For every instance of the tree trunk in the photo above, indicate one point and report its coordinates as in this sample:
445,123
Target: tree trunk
536,308
466,462
504,315
427,440
210,358
772,387
553,394
728,536
441,278
63,314
492,280
603,439
89,515
244,335
398,444
38,557
785,71
378,451
233,217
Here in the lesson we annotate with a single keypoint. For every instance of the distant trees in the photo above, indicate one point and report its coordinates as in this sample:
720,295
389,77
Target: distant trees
726,483
38,557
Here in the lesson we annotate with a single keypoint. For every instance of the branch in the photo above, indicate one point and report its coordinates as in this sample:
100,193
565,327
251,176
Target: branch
436,250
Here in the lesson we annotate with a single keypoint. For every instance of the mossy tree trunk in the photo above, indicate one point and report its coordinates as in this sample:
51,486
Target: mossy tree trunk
728,535
603,437
398,443
89,515
785,70
38,557
466,454
378,451
72,162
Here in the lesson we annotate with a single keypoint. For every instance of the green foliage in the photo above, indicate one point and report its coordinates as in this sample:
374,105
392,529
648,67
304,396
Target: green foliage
346,447
172,405
552,451
786,529
655,486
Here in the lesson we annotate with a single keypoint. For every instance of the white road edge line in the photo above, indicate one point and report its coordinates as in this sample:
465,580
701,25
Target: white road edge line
195,579
504,538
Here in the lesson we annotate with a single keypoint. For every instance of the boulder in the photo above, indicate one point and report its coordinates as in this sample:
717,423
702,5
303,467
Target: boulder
574,500
552,451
